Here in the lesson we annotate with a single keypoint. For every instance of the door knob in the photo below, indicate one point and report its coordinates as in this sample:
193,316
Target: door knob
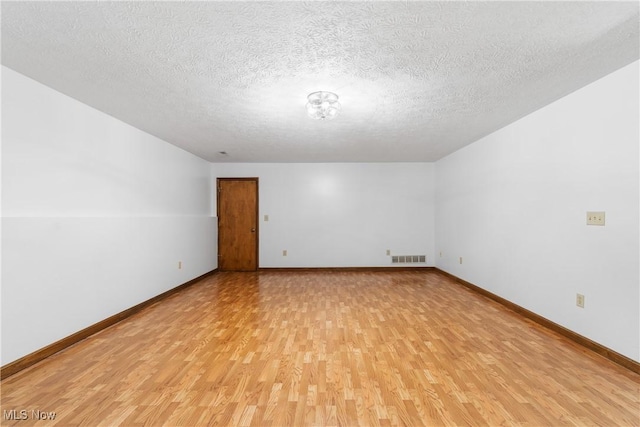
253,230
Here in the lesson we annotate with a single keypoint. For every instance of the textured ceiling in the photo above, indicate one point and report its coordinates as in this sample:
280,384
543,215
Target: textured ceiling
417,80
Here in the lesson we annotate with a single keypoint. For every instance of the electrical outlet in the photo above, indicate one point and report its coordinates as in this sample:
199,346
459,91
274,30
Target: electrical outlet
388,251
266,218
179,265
460,260
284,252
440,254
580,300
595,218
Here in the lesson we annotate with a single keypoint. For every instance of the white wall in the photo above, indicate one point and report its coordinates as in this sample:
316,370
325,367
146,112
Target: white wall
514,204
96,216
341,214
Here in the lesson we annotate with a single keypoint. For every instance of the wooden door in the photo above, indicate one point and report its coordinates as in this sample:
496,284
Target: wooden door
237,224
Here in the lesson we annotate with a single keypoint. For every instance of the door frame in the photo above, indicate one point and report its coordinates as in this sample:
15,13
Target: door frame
257,214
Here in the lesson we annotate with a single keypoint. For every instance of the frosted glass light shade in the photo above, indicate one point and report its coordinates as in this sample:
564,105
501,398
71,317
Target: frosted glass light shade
323,105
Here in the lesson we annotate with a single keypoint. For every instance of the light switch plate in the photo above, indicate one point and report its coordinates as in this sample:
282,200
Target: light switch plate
595,218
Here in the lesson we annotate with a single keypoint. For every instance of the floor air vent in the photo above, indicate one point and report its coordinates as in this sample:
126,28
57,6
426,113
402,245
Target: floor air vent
406,259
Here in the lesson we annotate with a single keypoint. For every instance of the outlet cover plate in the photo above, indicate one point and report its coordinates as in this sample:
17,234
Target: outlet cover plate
595,218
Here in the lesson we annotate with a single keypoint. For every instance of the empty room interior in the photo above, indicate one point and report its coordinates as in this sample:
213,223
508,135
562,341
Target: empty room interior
320,213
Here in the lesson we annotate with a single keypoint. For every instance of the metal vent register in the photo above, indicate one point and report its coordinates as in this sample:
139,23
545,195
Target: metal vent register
408,259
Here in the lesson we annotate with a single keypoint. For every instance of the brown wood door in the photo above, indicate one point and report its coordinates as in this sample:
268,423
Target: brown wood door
238,224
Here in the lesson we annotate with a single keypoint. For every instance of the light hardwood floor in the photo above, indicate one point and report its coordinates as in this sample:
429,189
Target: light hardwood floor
325,348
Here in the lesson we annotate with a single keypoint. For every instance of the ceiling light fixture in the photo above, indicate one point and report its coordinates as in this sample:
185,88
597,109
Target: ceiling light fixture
323,105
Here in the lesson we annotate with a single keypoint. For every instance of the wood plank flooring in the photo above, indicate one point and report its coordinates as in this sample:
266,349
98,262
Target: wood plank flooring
324,348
